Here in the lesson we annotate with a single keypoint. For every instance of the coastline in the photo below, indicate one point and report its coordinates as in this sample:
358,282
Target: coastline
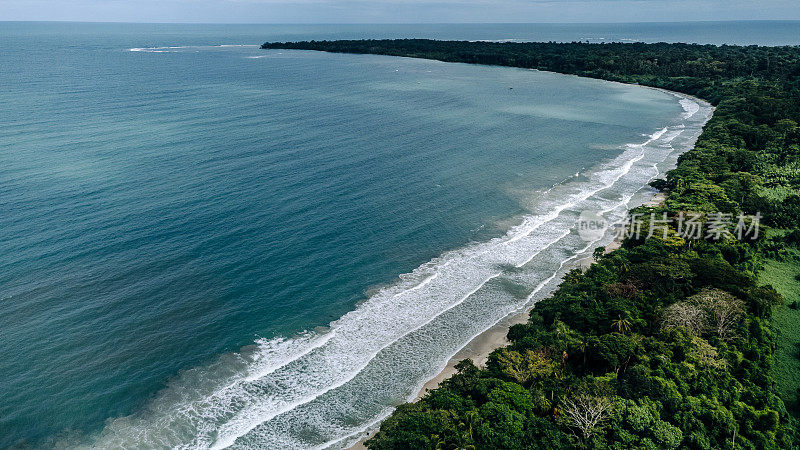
479,348
482,345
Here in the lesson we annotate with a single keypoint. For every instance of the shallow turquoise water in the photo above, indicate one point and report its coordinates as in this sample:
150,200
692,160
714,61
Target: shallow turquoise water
175,198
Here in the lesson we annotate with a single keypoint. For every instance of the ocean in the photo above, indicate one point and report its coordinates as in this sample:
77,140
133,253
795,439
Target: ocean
208,245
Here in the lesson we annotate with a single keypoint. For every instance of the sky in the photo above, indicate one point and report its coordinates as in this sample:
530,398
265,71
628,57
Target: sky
397,11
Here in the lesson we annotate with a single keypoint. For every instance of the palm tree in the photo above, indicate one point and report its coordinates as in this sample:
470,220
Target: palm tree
473,419
584,347
622,325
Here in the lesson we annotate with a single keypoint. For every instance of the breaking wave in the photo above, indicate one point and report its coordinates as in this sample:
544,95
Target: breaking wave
179,48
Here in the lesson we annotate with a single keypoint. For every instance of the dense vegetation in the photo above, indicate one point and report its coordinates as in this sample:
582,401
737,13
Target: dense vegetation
668,342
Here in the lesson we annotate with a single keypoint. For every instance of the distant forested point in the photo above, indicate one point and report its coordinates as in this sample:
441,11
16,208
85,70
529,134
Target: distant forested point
670,341
689,68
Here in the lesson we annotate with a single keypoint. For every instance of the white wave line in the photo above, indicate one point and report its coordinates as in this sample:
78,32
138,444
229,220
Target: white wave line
535,254
315,345
585,196
164,49
380,418
227,441
538,288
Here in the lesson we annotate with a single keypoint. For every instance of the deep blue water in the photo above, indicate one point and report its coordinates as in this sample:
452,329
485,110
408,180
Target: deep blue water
205,240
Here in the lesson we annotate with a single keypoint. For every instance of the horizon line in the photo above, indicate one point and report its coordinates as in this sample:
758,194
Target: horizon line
397,23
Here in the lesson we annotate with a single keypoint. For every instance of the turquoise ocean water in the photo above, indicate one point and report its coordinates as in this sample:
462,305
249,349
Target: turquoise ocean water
203,244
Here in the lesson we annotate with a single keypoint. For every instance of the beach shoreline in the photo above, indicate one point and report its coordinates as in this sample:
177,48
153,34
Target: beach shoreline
481,346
